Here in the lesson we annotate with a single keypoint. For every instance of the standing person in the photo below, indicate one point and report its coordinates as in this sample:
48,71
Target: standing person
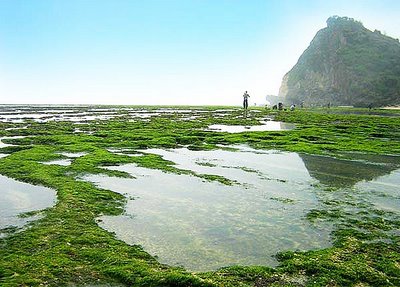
245,100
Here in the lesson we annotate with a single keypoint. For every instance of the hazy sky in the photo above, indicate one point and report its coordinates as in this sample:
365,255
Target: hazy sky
163,52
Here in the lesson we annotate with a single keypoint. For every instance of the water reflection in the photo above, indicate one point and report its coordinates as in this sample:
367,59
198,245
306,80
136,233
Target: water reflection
383,192
346,173
266,126
18,197
73,154
201,225
62,162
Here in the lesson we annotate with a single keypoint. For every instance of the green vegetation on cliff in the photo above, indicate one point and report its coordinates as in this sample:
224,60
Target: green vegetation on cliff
346,64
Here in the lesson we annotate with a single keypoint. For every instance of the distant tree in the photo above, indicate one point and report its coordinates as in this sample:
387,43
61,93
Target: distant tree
332,20
337,20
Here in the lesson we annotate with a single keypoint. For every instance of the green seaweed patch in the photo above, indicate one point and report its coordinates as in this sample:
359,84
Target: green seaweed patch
218,178
242,276
8,230
154,161
332,214
207,164
30,213
283,200
66,245
354,262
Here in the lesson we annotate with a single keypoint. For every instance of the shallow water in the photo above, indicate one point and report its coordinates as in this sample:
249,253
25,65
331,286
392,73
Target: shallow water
2,144
180,111
56,111
202,225
21,114
17,128
42,116
73,154
384,191
185,220
346,173
18,197
63,162
78,130
267,126
78,114
144,115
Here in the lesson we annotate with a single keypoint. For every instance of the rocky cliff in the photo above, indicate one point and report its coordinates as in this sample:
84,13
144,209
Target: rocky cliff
345,64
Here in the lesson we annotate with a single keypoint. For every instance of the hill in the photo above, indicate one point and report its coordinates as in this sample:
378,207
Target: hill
346,64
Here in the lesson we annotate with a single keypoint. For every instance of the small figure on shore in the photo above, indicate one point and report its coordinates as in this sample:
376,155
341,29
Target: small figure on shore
292,107
280,106
246,96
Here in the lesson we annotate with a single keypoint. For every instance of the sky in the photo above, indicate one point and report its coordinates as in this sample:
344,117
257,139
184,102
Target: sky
163,52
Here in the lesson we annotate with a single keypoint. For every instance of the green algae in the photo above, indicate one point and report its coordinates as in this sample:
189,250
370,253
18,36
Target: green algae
66,245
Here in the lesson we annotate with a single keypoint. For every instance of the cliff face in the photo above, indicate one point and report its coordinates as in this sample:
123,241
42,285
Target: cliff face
345,64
